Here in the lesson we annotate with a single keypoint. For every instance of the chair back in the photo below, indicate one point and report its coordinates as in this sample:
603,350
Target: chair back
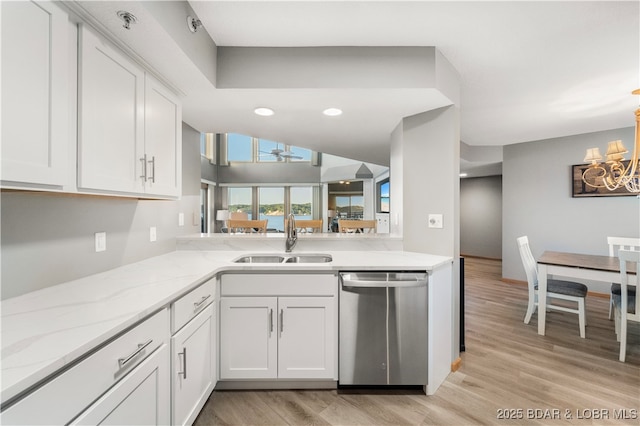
357,226
529,263
622,243
247,226
627,257
239,215
306,225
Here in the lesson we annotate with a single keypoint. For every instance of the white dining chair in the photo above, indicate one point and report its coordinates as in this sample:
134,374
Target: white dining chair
616,244
625,305
556,289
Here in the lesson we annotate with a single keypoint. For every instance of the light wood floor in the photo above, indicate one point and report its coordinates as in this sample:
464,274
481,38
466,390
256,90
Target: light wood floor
506,365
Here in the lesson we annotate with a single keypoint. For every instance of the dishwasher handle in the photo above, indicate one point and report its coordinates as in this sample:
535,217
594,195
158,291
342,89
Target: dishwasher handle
347,281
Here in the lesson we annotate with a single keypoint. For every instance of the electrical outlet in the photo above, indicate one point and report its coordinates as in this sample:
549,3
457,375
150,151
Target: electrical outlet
435,221
152,234
101,241
180,219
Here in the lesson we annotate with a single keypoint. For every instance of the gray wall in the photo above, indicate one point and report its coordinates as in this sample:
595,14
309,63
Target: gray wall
537,201
48,238
481,217
269,172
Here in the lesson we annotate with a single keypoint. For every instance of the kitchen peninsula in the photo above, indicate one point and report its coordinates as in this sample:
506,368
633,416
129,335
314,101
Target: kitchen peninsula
49,333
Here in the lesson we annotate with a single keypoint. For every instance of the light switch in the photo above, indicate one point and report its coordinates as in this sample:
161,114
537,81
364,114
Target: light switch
152,234
180,219
435,221
101,241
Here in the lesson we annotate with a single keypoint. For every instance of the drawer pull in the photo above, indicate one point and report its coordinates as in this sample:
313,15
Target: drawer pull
184,363
141,346
281,321
197,305
143,160
270,321
153,169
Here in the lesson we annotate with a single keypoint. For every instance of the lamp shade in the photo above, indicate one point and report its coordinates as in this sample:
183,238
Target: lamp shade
616,148
222,215
593,155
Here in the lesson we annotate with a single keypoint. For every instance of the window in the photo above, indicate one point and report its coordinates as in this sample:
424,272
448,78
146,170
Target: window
301,202
239,147
265,149
350,206
240,200
383,196
271,206
300,152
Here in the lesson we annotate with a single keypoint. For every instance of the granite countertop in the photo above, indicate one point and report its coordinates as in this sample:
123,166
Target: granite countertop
43,331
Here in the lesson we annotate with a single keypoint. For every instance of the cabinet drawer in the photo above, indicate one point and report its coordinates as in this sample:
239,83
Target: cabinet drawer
65,396
279,285
189,305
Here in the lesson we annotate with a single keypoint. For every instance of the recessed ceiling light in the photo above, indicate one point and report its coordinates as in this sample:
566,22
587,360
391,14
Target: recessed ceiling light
332,112
265,112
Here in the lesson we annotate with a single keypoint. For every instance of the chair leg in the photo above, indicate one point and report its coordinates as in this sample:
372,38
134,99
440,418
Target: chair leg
530,310
623,337
616,317
610,306
582,317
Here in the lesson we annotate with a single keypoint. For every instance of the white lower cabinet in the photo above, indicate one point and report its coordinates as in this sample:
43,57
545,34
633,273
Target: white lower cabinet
142,398
248,345
124,382
194,361
278,337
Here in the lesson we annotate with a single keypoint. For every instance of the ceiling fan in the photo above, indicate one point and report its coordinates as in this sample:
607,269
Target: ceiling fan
280,154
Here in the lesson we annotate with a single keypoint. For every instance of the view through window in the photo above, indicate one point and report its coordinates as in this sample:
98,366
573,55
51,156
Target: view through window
240,200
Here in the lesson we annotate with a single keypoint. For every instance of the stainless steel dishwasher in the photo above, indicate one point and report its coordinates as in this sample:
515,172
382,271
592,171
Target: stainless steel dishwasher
383,328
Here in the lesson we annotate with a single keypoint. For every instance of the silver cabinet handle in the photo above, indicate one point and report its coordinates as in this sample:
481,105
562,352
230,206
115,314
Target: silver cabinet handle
123,361
270,321
153,169
184,363
281,320
197,305
143,160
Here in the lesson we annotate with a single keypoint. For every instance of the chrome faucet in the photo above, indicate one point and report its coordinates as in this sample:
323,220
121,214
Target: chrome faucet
292,235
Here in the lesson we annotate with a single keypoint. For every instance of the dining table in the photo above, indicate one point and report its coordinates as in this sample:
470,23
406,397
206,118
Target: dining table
576,265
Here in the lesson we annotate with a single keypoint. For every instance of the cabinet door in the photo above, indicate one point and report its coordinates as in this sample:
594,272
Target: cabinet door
163,140
193,368
141,398
308,338
111,118
35,93
248,338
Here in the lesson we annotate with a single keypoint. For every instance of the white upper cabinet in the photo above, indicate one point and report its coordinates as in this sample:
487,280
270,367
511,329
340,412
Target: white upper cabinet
129,125
163,140
110,119
35,94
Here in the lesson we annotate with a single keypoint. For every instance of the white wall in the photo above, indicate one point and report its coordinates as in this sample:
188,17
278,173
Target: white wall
537,202
48,238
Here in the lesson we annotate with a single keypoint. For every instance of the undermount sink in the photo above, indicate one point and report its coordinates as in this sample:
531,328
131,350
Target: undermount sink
312,258
260,259
277,258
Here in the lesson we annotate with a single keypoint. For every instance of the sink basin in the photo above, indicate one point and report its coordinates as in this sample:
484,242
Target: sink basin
310,258
284,258
260,259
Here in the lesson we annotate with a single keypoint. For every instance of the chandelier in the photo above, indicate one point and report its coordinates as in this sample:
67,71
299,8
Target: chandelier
615,172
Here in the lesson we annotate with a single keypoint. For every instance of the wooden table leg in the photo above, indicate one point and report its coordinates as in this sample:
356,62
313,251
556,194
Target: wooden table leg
542,297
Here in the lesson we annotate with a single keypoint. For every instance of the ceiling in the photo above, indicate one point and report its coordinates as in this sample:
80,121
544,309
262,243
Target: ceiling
528,70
